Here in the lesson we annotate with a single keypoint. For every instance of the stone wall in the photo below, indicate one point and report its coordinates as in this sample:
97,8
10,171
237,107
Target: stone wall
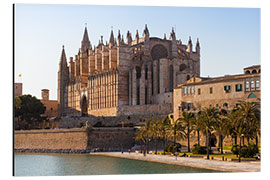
78,139
51,139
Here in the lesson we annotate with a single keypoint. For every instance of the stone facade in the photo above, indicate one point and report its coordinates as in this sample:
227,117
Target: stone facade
103,80
18,89
220,92
51,105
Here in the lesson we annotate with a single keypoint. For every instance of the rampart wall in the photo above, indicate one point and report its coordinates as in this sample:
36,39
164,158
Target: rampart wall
77,138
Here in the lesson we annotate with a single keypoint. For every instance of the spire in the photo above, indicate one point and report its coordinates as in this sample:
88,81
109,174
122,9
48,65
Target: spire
119,38
63,59
164,36
85,35
85,44
198,46
146,32
129,38
189,45
137,36
111,41
172,36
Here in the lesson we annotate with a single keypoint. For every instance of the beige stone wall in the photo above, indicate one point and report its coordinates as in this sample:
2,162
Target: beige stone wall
104,112
145,109
51,139
218,97
51,107
75,138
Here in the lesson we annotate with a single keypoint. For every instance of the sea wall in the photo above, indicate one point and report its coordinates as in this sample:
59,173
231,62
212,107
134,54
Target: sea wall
75,139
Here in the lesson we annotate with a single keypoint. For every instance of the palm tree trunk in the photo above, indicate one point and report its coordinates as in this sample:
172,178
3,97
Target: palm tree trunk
207,144
248,139
188,143
235,139
198,132
221,144
164,144
156,145
141,145
239,153
243,140
256,140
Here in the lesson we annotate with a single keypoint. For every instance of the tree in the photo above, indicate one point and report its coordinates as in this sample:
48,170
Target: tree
207,120
249,113
154,132
163,128
222,127
187,120
143,134
28,110
177,130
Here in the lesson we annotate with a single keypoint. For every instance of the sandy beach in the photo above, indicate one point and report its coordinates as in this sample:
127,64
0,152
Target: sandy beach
191,162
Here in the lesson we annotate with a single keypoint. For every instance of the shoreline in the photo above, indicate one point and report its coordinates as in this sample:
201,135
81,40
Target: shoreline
223,166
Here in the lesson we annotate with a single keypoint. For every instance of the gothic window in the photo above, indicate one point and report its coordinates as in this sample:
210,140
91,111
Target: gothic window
158,52
138,73
146,72
146,95
138,95
171,78
182,67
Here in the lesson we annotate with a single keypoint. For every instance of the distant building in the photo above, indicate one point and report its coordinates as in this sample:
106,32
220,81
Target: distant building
220,92
51,105
17,89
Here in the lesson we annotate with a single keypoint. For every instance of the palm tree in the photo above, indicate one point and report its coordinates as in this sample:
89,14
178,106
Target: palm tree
163,128
177,131
197,126
143,135
153,131
249,113
208,118
187,120
222,127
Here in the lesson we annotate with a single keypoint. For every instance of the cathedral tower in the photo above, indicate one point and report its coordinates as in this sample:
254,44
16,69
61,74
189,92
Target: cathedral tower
62,84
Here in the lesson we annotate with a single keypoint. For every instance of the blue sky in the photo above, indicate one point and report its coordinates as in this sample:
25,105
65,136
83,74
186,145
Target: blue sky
229,37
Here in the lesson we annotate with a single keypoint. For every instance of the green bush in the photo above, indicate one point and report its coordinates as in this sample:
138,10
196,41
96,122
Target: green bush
246,151
171,148
200,149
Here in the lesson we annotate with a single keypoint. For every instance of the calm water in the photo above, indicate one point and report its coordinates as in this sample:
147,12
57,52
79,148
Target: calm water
85,164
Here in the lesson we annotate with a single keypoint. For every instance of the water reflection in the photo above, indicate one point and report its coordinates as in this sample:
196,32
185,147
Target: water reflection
85,164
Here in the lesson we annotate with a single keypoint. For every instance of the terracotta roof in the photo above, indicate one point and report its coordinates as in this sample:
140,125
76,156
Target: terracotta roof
254,66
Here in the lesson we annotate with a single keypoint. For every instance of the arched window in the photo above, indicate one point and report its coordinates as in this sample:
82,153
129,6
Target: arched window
138,95
225,105
171,78
254,71
252,95
188,77
247,72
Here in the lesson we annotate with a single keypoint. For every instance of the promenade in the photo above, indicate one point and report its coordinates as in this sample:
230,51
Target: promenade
191,162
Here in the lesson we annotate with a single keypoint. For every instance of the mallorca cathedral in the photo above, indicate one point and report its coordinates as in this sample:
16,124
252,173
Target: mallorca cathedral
125,76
